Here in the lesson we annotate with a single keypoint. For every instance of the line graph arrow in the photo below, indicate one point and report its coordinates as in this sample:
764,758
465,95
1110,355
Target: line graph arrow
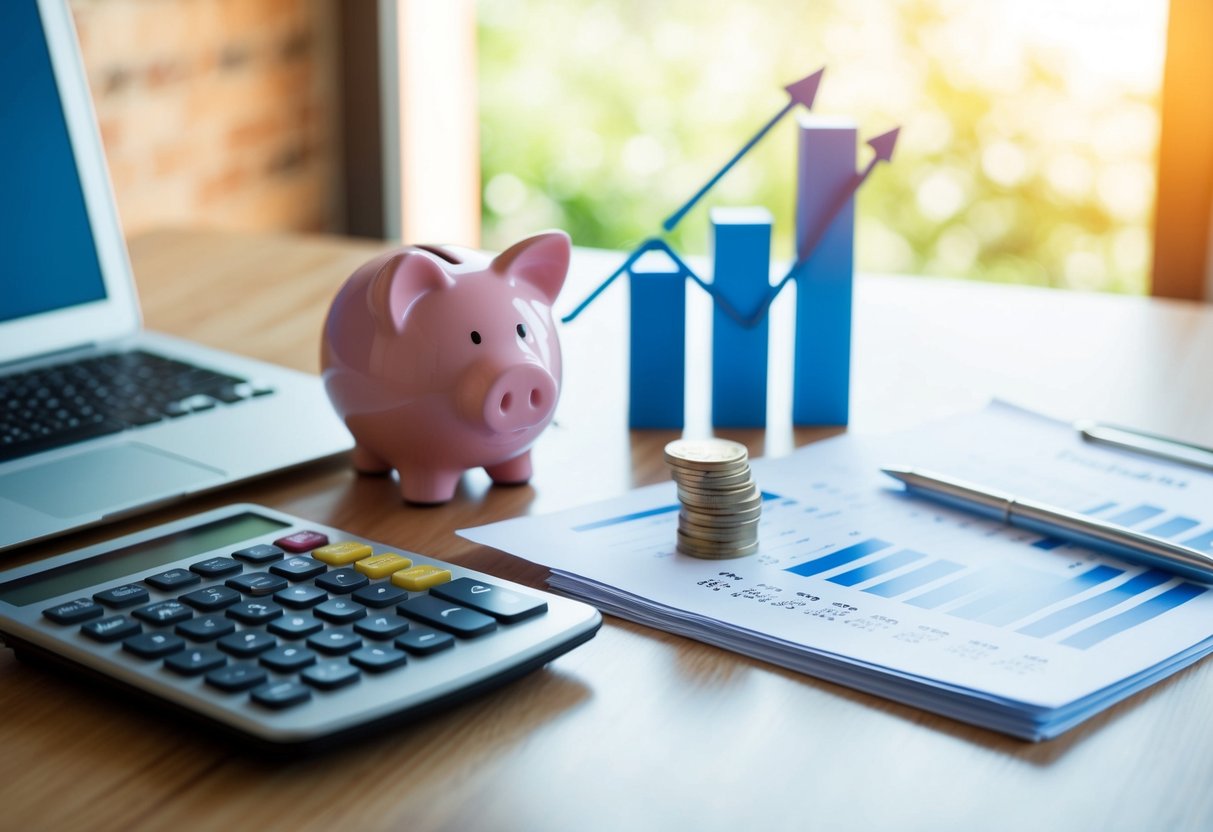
803,92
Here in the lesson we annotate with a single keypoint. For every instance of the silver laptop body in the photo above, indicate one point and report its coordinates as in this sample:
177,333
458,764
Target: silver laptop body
66,293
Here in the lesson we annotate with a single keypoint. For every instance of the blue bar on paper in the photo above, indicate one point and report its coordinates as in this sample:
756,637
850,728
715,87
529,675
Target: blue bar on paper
1105,600
827,562
1173,527
825,187
1201,542
1049,543
986,604
912,580
1100,508
657,362
1028,602
1133,516
741,243
626,518
1129,619
877,568
950,591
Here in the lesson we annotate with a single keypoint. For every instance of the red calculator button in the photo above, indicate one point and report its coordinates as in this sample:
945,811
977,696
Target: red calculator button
302,541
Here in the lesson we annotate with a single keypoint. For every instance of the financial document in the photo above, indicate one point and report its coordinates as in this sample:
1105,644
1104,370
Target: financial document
857,582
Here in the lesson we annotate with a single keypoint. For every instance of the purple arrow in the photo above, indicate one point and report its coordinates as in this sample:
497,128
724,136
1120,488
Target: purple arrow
803,92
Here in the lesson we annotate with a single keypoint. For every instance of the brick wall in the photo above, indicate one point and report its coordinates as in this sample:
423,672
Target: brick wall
220,113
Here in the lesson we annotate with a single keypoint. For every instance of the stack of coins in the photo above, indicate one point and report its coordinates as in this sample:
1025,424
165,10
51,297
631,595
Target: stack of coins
720,502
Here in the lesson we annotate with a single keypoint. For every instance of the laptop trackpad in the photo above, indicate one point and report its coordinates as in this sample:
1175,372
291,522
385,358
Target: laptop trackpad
105,480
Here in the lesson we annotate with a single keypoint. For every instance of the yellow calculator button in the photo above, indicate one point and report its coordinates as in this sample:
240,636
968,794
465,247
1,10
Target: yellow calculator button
339,554
380,566
422,576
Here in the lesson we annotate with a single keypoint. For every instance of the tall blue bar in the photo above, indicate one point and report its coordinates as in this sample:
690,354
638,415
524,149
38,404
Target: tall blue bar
821,386
741,241
1140,614
1095,604
656,390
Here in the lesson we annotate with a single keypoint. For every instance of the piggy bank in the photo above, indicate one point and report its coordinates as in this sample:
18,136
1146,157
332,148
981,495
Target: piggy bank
442,359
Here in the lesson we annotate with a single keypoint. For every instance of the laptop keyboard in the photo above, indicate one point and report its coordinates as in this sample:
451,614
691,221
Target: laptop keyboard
61,404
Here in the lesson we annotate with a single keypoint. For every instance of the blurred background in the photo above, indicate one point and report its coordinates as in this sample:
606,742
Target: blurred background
1029,149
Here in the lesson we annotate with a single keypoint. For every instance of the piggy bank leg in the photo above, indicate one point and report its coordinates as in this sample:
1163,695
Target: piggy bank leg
368,462
514,471
427,487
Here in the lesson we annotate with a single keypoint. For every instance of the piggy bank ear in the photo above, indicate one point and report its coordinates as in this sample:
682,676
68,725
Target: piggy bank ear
542,261
401,283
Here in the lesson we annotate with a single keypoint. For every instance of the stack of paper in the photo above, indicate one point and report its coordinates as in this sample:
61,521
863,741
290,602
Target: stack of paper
857,583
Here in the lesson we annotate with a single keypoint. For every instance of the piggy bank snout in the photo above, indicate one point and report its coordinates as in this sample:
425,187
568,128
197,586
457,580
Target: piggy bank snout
518,397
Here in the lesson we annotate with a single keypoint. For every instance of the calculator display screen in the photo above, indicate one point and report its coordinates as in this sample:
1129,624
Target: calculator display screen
139,557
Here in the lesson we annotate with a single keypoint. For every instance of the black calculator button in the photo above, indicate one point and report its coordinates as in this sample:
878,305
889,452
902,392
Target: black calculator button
211,598
298,569
236,677
340,610
281,694
122,596
447,616
172,580
206,628
381,626
294,625
335,642
257,583
254,612
163,612
330,675
261,553
153,645
288,659
342,580
301,596
108,630
380,595
422,641
195,662
247,643
73,612
505,605
378,659
216,567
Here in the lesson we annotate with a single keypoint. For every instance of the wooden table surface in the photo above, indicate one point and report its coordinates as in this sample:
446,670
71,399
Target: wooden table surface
639,729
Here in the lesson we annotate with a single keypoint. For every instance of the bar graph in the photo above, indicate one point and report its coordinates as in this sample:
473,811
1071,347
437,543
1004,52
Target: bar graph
742,292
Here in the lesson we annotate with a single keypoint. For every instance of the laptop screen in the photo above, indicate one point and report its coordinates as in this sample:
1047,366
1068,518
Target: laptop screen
48,258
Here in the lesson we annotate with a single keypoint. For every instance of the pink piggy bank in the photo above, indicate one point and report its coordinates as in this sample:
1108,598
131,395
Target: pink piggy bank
442,359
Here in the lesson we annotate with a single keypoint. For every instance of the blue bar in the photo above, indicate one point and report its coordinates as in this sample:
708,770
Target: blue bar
1101,507
826,175
1027,603
915,579
877,568
657,365
1133,516
1204,541
827,562
1049,543
1173,527
741,241
950,591
626,518
1129,619
1085,609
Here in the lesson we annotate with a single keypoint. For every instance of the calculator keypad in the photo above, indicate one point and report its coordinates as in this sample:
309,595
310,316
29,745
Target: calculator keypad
302,616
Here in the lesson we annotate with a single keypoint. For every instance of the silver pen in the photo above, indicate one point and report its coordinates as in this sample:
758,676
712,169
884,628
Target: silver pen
1059,522
1147,443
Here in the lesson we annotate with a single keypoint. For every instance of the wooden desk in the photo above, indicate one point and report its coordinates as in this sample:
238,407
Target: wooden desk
639,729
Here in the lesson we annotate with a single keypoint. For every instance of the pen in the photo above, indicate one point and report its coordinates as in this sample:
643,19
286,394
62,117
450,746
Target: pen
1059,522
1146,443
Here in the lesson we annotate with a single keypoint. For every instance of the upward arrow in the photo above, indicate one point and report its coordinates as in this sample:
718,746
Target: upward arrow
803,92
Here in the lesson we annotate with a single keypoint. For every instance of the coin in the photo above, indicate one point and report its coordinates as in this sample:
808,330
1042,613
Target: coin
699,550
704,453
721,503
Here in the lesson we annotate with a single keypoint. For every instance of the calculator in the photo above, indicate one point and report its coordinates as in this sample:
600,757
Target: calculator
287,633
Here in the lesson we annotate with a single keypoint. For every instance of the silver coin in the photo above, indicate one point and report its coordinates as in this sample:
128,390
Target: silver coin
716,554
718,521
705,454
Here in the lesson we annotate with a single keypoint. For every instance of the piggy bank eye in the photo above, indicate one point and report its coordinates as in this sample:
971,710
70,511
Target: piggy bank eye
475,337
521,331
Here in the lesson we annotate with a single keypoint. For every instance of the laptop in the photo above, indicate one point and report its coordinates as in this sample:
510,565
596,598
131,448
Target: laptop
100,419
